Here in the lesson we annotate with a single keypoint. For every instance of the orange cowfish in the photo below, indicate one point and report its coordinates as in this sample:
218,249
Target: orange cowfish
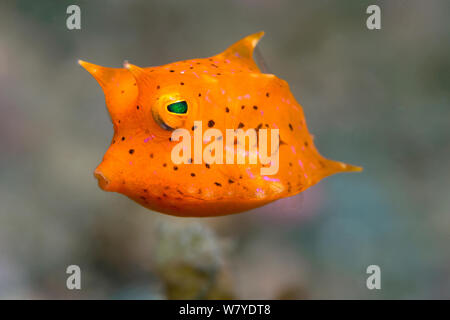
225,91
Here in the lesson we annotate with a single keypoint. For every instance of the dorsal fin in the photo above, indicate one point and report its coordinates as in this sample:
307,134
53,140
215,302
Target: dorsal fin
242,51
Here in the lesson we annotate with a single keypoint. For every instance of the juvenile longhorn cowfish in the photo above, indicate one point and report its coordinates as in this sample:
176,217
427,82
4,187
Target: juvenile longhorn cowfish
225,91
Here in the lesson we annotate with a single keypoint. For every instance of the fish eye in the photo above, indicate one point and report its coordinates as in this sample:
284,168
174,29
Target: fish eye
179,107
170,111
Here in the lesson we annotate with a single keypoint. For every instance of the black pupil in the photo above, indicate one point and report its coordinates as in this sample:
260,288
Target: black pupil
179,107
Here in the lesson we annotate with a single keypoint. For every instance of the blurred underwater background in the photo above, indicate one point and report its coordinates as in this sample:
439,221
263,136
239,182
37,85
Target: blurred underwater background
379,99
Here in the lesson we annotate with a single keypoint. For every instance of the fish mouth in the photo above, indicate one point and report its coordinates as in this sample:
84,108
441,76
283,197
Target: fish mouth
103,181
106,179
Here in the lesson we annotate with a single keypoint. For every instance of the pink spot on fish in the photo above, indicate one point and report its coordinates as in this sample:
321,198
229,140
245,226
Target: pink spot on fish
207,97
270,179
300,163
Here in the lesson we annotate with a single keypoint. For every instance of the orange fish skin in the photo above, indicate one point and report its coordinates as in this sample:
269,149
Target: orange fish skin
226,91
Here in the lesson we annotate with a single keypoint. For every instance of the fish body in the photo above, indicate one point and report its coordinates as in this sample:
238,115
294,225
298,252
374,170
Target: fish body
226,91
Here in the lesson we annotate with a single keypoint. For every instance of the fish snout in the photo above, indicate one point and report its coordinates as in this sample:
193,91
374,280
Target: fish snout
105,178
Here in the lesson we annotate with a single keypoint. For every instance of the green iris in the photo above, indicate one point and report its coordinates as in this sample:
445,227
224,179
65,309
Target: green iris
179,107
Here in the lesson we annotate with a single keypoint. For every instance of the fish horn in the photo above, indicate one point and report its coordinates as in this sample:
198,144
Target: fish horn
118,86
103,75
242,50
141,76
